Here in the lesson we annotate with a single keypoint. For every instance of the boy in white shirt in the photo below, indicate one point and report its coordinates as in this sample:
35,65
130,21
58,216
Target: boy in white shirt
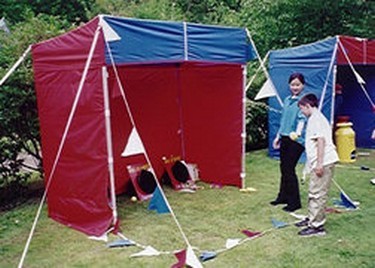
321,157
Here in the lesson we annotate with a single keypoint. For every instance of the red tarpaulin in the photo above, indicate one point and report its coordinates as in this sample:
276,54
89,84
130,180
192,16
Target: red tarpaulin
78,193
192,110
359,50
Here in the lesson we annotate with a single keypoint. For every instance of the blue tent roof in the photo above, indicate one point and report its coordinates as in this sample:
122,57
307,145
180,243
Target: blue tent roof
143,41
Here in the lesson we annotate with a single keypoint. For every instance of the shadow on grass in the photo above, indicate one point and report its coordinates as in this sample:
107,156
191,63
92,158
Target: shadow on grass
16,194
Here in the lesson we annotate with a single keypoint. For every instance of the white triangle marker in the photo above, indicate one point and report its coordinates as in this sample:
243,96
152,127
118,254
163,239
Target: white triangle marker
134,144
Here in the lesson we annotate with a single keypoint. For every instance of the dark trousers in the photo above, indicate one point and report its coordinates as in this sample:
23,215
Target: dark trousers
290,152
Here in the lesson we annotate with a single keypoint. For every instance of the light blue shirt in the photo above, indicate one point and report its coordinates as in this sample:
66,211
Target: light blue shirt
290,118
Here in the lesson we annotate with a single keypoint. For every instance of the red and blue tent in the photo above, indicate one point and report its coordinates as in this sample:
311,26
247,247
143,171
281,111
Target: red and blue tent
180,85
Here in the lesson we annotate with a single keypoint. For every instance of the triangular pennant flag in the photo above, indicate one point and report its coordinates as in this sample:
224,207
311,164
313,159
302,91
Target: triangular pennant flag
346,201
191,259
267,90
157,202
250,233
207,255
3,25
134,144
232,243
359,78
120,243
109,33
278,224
181,257
148,251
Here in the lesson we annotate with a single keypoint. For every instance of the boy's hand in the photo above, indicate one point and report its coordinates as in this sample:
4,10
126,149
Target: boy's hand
319,171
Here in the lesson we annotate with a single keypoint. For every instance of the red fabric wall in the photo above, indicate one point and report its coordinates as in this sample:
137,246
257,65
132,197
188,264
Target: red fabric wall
192,110
78,192
212,120
152,96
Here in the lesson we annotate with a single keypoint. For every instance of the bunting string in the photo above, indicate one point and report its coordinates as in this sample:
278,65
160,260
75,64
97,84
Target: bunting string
204,254
185,256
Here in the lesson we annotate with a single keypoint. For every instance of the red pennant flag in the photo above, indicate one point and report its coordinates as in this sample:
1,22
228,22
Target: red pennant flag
250,234
181,257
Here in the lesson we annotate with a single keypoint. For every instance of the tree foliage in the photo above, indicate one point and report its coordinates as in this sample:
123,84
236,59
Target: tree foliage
19,126
73,11
286,23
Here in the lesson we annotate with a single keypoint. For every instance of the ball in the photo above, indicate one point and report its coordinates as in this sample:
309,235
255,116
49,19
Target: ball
293,136
133,199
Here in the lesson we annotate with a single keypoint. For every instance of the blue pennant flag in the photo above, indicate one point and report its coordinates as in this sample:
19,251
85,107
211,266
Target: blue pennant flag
207,255
120,243
346,201
157,202
278,224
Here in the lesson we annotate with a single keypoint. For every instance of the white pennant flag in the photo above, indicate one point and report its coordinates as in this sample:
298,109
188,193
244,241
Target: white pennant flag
134,144
360,80
109,33
191,259
3,25
148,251
232,243
267,90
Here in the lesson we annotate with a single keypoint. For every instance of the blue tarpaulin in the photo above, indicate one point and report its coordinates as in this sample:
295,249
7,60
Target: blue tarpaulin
146,41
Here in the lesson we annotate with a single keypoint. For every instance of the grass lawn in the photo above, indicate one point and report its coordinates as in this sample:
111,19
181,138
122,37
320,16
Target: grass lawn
209,217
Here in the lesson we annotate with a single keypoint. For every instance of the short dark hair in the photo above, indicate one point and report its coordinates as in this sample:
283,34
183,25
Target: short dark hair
299,76
310,99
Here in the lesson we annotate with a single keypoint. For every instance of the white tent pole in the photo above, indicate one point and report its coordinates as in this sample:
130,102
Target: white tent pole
107,115
11,70
333,102
327,77
243,134
355,73
186,52
262,65
72,111
256,72
145,153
